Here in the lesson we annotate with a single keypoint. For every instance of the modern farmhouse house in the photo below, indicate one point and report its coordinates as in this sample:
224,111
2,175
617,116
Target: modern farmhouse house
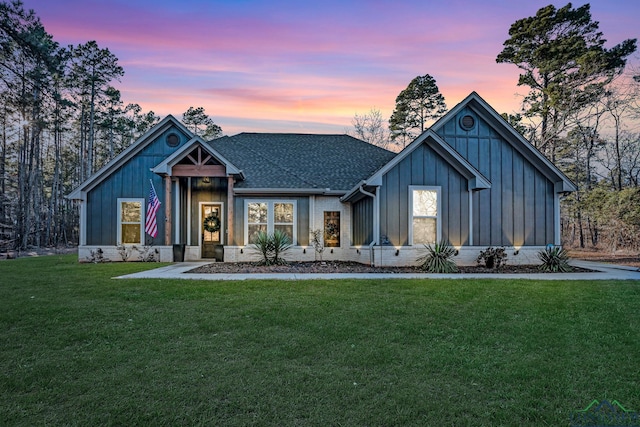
470,179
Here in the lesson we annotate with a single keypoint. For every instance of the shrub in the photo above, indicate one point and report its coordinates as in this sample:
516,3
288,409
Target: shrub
492,257
271,247
438,258
262,244
554,259
97,256
125,251
148,254
317,241
280,244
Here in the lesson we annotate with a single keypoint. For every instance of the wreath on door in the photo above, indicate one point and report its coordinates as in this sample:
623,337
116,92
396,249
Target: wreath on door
212,223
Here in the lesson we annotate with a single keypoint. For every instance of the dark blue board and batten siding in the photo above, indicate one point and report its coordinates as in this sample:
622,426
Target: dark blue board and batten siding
518,209
424,167
131,180
362,221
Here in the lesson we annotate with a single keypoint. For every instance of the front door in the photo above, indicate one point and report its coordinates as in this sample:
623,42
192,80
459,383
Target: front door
211,228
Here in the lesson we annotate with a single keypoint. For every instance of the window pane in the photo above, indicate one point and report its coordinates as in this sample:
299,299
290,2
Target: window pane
131,211
286,229
130,233
332,229
283,212
257,213
424,231
425,203
254,229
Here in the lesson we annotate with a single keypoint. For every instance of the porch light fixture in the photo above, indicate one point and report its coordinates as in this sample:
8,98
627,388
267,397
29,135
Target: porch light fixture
516,252
456,253
241,250
397,252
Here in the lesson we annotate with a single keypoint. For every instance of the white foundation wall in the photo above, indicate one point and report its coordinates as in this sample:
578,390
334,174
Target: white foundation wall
407,256
378,256
384,256
113,254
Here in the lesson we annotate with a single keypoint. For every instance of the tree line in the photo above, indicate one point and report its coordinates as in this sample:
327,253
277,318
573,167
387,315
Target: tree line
62,119
582,111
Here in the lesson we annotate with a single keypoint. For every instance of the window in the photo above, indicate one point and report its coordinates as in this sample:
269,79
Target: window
130,221
467,122
332,229
173,140
269,216
283,218
425,208
256,219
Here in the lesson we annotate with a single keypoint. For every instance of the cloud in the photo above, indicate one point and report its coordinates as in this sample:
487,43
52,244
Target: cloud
299,62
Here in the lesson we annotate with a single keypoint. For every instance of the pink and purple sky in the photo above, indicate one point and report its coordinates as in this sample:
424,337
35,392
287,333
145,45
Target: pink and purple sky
297,66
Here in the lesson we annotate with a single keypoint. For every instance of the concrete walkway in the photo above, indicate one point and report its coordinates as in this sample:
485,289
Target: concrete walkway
601,272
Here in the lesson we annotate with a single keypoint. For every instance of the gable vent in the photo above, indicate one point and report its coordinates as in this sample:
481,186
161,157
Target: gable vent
467,122
173,140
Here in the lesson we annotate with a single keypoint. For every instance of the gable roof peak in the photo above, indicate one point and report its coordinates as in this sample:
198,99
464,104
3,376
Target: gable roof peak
484,110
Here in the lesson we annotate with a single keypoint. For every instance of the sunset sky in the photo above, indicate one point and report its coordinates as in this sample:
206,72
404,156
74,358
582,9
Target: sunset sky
297,66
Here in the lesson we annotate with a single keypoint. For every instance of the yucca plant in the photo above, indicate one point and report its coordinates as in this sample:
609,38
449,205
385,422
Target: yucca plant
271,247
554,259
262,243
280,243
438,258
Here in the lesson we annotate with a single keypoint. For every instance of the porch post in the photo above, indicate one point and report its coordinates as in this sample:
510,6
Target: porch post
229,239
167,210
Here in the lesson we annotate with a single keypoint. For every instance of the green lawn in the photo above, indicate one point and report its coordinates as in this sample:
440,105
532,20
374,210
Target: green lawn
78,348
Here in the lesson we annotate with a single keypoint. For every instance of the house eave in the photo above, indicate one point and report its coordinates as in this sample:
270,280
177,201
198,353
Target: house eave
166,166
476,180
356,192
476,103
128,153
289,191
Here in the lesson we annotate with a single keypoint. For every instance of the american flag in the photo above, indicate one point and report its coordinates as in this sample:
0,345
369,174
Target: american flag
151,225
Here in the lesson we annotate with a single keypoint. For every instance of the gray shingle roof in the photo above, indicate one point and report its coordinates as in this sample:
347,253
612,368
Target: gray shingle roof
304,161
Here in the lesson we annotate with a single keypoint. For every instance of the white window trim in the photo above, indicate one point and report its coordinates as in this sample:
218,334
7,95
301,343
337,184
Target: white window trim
143,215
270,217
438,217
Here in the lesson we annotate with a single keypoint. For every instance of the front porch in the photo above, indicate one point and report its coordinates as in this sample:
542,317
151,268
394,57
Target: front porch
198,204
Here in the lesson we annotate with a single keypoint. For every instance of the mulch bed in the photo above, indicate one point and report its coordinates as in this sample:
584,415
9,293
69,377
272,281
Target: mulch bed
620,258
329,267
